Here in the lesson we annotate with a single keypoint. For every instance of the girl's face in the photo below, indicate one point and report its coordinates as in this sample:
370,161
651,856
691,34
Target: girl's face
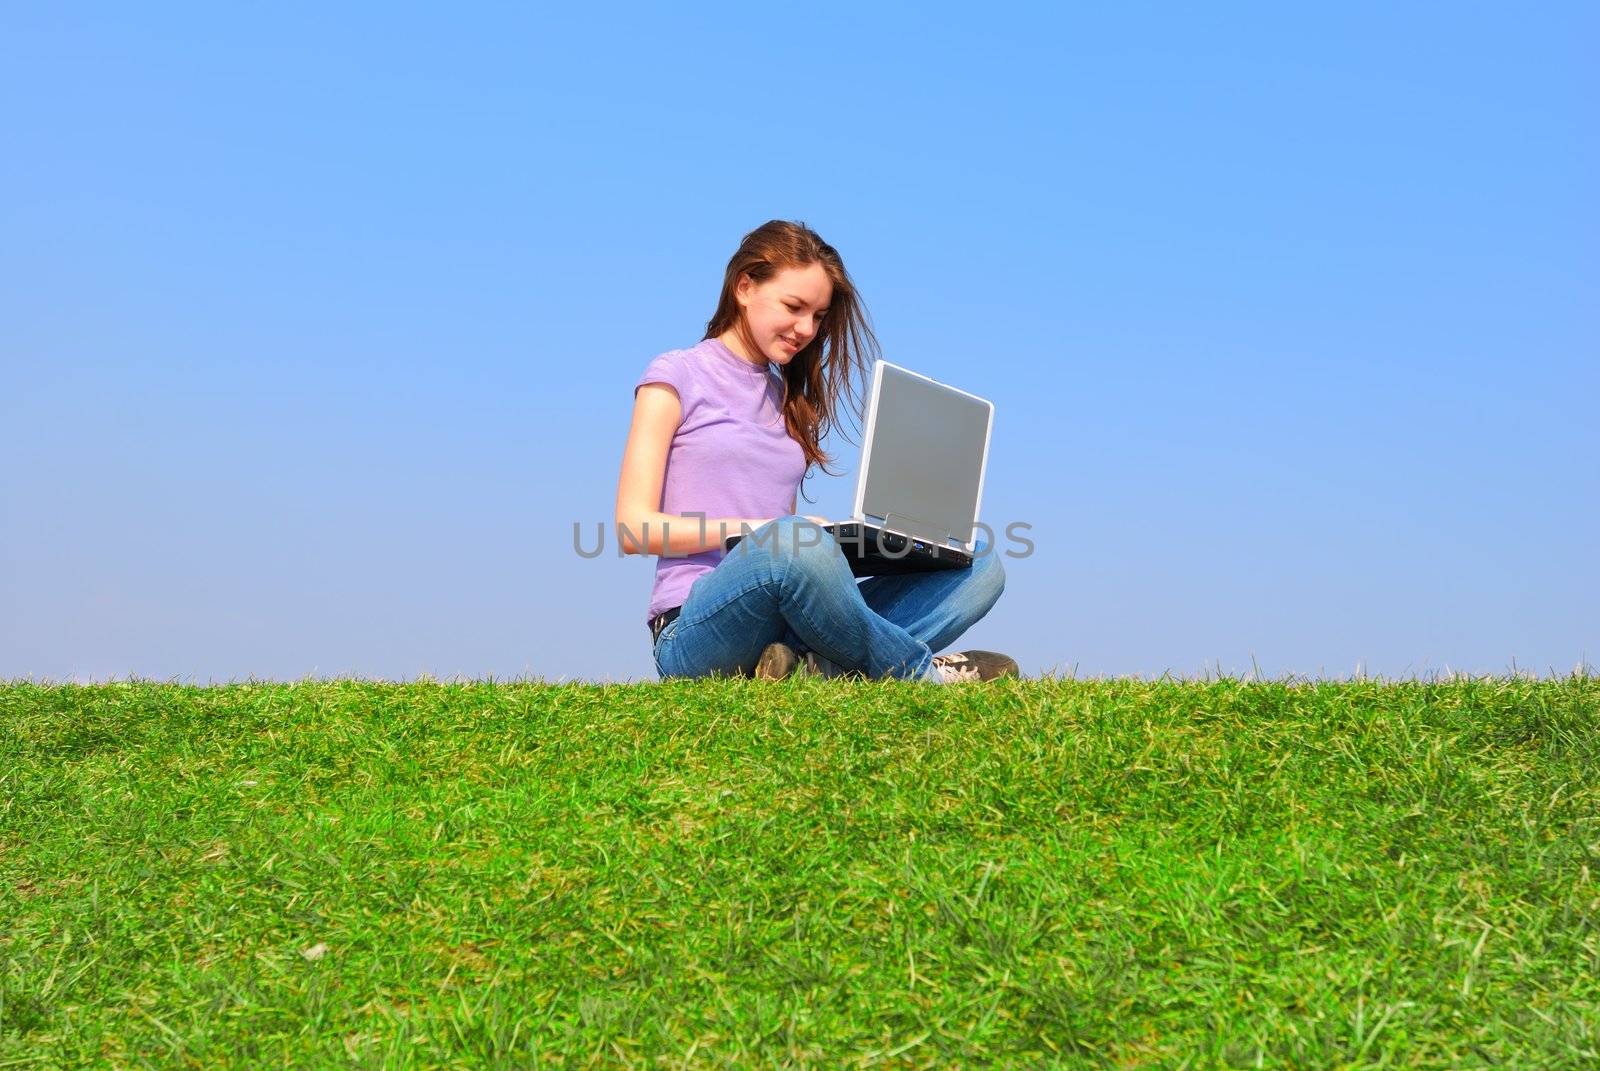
785,313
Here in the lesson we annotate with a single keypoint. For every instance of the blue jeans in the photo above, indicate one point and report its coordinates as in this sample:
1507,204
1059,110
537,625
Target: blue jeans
792,583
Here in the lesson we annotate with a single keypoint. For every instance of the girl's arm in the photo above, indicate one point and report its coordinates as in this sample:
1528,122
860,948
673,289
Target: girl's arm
656,415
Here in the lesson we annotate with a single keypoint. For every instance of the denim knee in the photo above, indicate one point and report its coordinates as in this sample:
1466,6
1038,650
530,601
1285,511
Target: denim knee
987,569
800,546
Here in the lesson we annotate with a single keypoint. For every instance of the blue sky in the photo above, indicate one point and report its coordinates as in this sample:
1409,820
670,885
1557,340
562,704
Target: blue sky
320,326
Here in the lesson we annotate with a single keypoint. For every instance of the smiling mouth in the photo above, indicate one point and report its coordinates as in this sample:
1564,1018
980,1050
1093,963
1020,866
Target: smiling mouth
790,343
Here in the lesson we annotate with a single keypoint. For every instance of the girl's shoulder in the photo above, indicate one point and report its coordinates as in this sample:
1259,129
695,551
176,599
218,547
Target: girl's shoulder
681,369
683,356
695,361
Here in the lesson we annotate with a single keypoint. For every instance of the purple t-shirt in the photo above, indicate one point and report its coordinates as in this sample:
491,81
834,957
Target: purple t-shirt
730,457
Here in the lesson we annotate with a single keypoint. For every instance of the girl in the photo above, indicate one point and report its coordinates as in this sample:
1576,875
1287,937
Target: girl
722,434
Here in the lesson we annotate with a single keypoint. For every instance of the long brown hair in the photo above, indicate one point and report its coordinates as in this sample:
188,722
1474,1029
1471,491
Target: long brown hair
817,377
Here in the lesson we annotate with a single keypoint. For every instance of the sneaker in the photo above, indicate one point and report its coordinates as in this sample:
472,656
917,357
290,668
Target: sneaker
777,661
975,666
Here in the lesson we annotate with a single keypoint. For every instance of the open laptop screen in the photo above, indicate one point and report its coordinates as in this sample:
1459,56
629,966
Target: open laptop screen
923,456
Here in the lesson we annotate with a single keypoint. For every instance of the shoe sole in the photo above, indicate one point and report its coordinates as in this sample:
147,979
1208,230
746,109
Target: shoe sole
776,662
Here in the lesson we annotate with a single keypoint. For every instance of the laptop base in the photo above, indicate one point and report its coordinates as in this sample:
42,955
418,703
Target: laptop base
873,551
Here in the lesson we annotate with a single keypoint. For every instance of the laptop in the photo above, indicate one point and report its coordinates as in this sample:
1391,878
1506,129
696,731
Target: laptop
920,480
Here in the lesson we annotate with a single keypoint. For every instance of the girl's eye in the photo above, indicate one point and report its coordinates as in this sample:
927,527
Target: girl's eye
792,308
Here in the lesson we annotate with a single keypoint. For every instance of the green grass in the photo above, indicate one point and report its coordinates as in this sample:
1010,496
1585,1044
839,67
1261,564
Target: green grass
1043,873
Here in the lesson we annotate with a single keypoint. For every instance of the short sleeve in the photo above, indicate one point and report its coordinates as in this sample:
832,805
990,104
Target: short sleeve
669,368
